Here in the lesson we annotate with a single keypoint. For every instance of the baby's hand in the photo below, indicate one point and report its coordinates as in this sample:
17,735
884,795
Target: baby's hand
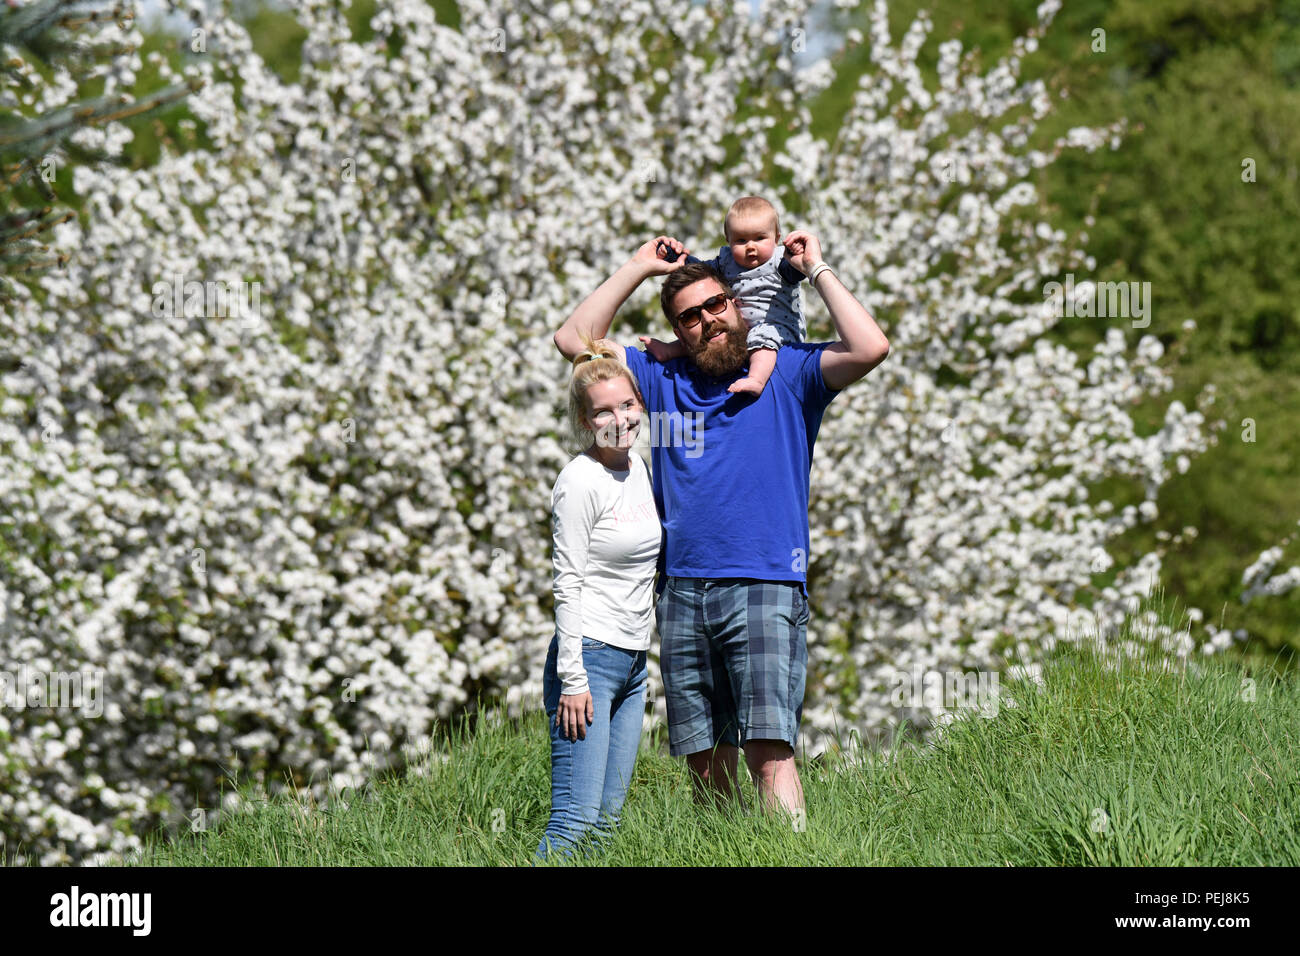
662,351
666,252
803,250
661,255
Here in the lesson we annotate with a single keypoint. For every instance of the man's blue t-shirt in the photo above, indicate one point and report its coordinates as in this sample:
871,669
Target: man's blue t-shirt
731,471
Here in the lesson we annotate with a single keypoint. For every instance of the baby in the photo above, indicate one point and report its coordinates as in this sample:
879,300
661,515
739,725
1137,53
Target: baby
766,287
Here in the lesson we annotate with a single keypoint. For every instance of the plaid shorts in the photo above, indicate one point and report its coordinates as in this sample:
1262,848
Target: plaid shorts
734,658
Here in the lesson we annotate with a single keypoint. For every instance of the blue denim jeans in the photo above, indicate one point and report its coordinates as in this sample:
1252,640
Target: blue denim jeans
590,776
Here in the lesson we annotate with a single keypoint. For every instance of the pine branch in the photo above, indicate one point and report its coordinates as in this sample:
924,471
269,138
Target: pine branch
14,229
48,29
24,26
35,138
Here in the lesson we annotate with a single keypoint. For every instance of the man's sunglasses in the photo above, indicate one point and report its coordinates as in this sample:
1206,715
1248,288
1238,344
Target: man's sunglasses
689,318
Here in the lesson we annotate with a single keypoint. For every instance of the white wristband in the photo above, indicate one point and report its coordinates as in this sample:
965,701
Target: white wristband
818,270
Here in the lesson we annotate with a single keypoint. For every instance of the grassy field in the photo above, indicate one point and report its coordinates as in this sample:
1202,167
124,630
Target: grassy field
1120,765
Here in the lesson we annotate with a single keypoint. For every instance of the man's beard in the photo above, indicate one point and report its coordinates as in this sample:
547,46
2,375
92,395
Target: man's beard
727,361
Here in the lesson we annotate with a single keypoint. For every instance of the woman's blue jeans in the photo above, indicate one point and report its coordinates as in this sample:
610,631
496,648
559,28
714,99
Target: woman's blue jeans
590,776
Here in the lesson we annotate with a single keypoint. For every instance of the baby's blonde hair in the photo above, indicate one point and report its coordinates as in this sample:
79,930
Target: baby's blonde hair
751,207
597,362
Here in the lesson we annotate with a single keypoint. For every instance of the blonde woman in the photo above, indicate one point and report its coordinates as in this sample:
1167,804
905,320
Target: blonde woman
606,548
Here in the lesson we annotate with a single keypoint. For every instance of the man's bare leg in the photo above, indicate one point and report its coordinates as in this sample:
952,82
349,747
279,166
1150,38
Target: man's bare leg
771,764
713,774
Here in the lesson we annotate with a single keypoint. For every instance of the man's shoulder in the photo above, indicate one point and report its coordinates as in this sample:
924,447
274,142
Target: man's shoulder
647,362
797,352
799,365
637,361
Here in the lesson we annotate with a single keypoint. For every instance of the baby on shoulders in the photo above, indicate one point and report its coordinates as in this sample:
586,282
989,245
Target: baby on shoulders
766,287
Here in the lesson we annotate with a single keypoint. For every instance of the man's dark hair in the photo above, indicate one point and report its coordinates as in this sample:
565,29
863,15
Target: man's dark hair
688,274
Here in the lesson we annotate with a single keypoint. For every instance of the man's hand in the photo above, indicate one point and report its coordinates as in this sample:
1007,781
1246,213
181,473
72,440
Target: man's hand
802,250
593,317
573,715
662,351
651,255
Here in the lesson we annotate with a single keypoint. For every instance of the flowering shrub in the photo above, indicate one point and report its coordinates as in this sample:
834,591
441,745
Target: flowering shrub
1260,579
281,447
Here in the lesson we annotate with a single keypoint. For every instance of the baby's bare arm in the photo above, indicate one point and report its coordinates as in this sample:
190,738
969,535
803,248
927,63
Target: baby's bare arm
761,363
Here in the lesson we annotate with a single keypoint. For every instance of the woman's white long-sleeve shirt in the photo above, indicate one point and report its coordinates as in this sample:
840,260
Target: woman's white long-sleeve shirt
606,548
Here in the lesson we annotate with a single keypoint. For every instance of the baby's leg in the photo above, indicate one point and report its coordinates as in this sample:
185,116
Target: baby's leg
761,363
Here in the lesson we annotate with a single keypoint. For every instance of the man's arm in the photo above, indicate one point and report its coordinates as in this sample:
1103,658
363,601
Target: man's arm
862,345
596,312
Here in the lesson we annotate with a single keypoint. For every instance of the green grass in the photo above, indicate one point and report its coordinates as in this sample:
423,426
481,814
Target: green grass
1118,766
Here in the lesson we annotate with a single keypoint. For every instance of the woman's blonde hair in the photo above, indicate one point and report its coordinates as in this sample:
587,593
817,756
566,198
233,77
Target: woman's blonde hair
597,362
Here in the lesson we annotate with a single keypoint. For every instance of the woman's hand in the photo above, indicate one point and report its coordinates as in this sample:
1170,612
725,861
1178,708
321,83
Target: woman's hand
573,715
651,255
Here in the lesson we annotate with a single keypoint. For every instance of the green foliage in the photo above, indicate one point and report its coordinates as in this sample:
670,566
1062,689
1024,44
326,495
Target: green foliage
277,36
172,125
